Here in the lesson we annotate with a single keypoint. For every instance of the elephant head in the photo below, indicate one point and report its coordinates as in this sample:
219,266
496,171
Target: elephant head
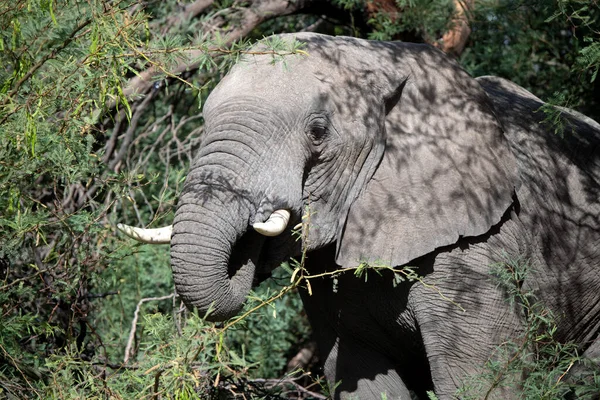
391,148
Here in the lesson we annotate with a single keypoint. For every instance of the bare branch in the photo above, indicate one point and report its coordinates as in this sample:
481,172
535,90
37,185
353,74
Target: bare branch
136,315
272,383
258,12
101,295
112,141
301,360
114,164
454,41
189,12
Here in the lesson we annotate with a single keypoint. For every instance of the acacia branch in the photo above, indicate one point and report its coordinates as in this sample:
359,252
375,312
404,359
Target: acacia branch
188,12
136,316
47,57
454,41
258,12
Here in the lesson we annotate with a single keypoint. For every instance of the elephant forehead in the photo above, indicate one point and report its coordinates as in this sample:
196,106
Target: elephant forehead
292,81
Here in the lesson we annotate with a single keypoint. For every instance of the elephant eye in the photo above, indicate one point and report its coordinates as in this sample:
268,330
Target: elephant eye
318,133
318,128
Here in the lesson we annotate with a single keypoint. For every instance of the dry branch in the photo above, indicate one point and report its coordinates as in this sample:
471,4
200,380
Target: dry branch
454,41
258,12
136,316
301,360
188,12
273,383
114,164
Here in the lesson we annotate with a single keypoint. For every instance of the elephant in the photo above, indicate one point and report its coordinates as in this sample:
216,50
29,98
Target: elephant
395,156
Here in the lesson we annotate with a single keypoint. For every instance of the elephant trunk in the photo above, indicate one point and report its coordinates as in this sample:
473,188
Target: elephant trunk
213,254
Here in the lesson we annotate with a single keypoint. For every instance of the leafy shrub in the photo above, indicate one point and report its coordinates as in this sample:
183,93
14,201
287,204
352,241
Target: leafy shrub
78,149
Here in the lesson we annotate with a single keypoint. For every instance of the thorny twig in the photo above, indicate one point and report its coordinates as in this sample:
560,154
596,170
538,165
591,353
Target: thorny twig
136,315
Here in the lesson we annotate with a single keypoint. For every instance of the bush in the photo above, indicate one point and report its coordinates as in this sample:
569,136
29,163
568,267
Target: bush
79,150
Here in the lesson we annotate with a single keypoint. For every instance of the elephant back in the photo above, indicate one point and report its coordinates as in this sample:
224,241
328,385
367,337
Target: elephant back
558,201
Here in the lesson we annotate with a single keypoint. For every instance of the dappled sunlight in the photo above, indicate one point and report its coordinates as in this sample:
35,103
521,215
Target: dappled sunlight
400,157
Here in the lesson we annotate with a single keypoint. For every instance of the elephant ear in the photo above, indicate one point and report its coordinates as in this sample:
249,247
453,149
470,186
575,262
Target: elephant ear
447,171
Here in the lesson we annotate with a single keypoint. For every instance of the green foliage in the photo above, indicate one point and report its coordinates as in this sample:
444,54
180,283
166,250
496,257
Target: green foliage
556,115
585,18
536,362
431,396
589,58
53,82
176,354
79,149
425,19
546,46
409,19
274,329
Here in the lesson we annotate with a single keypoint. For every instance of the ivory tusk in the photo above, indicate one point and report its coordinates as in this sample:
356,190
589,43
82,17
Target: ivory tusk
153,236
275,225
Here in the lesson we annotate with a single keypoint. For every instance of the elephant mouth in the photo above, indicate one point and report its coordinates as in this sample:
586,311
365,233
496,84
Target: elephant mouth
247,249
265,253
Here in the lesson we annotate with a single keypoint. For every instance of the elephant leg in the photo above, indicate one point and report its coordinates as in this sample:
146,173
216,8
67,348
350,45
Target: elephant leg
458,361
354,371
462,330
359,328
592,354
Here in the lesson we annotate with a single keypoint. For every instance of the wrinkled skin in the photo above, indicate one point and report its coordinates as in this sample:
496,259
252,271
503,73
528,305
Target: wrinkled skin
401,158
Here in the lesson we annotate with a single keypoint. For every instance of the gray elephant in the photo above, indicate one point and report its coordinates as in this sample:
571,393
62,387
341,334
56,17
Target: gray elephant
401,158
